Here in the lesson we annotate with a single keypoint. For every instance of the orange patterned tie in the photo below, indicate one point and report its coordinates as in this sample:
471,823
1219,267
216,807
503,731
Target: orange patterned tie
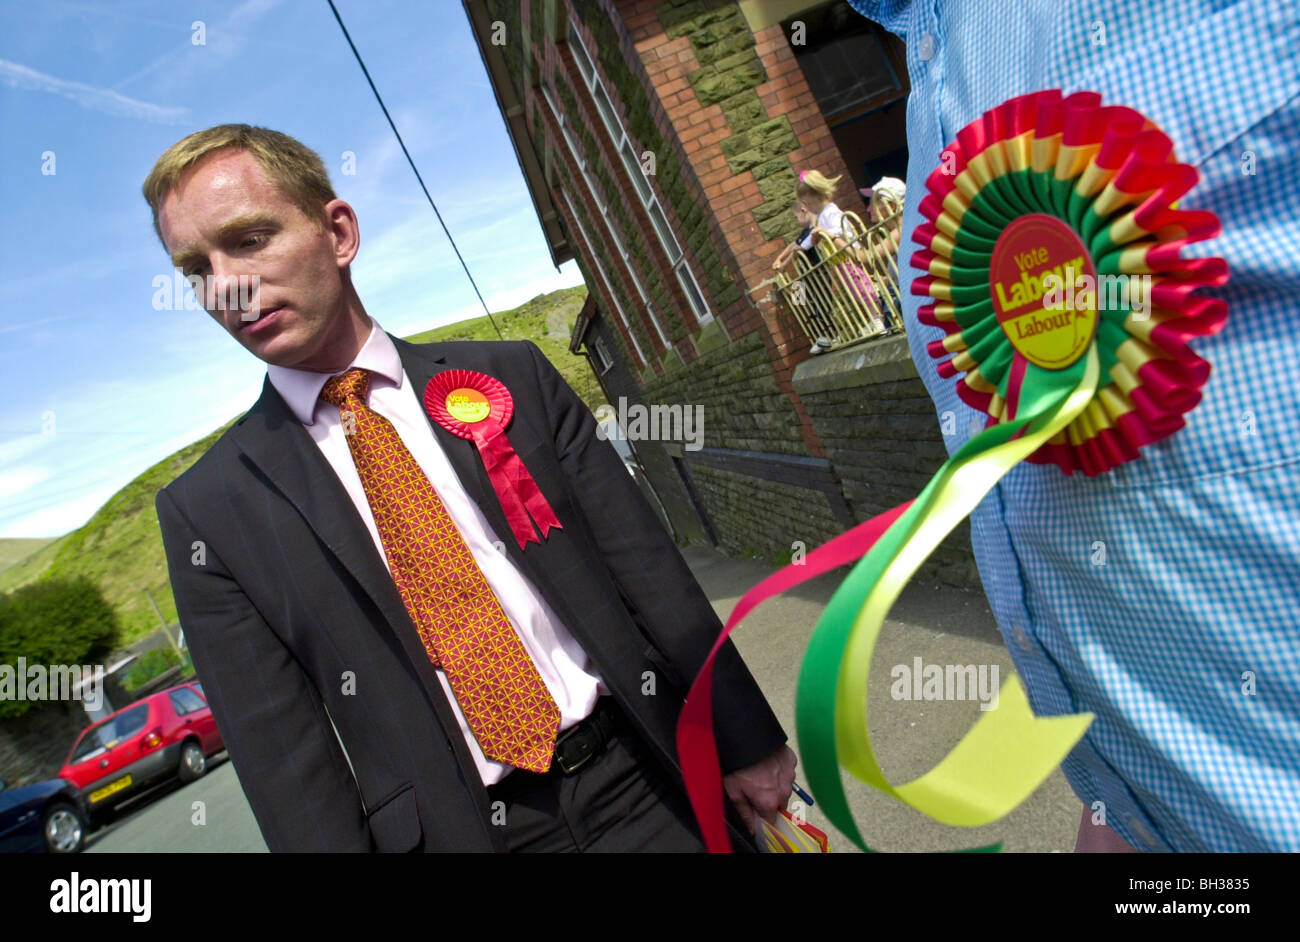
461,623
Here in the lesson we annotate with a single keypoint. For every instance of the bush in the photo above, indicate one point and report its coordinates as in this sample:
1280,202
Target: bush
148,666
53,622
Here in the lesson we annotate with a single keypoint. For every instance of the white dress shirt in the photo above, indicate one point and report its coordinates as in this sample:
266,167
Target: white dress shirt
560,660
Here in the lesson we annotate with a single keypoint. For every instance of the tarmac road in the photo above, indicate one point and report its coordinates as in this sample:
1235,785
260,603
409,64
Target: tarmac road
167,819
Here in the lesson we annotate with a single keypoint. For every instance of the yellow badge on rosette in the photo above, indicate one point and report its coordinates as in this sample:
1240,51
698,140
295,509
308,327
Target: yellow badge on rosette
468,405
1033,261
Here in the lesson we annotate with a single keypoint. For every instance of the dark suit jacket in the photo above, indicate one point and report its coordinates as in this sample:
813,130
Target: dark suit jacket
283,598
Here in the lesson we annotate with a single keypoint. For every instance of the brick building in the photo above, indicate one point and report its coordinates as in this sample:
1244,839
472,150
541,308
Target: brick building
661,143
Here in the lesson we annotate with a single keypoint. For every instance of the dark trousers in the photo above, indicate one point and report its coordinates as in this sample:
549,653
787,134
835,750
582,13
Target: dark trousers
620,801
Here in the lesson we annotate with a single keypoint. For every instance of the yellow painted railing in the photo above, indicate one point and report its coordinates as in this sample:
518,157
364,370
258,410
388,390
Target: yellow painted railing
851,292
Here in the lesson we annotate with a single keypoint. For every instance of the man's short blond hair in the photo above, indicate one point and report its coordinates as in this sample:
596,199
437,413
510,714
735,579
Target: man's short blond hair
294,168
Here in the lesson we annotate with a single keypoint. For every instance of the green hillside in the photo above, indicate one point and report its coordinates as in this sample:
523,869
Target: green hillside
22,560
547,320
15,550
120,547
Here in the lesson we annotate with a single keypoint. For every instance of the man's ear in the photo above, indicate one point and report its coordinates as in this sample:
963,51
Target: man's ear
342,228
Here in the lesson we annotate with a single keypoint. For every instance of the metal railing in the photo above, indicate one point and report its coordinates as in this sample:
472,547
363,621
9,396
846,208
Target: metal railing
850,293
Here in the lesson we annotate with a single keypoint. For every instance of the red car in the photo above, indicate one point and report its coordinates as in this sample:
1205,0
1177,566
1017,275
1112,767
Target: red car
169,733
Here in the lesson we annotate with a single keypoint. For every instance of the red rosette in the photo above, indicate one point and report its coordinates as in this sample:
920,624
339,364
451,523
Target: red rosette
478,407
500,403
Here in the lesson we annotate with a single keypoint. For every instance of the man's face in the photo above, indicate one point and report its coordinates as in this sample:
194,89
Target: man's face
226,221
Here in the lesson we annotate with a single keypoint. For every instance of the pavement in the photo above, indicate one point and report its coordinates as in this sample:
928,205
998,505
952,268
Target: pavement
942,625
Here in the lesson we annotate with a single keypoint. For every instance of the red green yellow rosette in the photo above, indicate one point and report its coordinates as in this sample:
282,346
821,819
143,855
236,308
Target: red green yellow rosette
478,407
1076,180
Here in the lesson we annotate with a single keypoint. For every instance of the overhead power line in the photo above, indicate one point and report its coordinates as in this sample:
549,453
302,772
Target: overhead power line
414,170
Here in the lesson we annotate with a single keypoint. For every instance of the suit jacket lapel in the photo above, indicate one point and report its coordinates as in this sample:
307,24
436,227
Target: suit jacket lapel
283,450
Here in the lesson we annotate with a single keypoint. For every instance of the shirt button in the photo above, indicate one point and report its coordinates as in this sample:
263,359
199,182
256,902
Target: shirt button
925,47
1021,638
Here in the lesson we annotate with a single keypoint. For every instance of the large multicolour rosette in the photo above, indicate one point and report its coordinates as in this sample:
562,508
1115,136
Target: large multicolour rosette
1052,226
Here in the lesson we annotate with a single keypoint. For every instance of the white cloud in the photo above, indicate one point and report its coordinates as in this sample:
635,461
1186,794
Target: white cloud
89,96
17,448
60,519
18,480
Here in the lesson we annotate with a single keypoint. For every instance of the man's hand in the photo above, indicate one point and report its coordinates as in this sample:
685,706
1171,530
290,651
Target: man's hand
762,789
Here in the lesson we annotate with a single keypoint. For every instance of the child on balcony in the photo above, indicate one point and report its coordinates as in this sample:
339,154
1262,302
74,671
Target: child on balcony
815,191
811,290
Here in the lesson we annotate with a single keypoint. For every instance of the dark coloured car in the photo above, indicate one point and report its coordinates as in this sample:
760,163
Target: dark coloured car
48,816
167,734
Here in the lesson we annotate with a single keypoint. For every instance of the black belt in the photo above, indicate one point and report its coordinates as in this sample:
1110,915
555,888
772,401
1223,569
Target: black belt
576,746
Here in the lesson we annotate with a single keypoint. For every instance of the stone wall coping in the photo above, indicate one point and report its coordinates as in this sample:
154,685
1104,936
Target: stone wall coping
879,361
798,461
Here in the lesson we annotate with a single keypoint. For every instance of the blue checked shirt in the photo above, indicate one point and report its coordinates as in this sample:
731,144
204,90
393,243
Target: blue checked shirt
1163,595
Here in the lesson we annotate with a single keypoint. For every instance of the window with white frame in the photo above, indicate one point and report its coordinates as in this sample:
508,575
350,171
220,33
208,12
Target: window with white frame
603,359
604,277
623,144
606,212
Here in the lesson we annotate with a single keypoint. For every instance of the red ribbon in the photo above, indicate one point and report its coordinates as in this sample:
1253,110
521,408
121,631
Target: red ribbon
519,494
696,746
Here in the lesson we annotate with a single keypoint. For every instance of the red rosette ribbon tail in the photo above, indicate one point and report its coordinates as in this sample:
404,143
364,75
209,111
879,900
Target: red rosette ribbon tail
478,407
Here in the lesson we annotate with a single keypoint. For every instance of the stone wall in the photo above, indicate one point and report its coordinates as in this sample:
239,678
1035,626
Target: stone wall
34,745
882,437
743,406
753,516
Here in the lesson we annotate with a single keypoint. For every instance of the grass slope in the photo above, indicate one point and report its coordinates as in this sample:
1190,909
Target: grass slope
15,550
547,320
120,547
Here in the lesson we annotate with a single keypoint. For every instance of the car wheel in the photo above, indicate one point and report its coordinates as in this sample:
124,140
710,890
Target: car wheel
63,829
193,762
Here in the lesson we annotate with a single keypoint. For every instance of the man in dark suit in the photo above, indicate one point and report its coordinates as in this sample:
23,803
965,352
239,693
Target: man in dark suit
297,575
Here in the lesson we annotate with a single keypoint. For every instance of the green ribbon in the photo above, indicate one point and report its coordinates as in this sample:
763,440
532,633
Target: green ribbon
1008,752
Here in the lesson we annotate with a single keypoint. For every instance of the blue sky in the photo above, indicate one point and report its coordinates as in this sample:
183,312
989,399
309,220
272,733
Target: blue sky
101,384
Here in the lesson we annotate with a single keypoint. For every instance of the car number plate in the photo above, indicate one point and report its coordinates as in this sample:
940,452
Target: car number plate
101,793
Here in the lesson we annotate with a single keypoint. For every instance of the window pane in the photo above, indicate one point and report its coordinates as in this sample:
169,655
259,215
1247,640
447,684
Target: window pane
94,741
607,113
580,54
692,291
635,172
132,721
186,700
573,148
602,355
665,233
